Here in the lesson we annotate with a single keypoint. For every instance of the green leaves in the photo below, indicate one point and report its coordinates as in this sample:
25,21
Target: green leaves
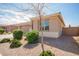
32,36
17,34
47,53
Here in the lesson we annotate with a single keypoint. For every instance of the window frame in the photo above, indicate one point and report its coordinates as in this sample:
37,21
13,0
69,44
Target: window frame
43,26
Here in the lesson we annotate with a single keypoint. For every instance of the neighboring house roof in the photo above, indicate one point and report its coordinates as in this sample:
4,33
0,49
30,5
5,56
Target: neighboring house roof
20,24
59,15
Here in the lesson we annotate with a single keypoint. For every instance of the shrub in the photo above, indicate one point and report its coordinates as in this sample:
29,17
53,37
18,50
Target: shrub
47,53
32,36
17,34
1,30
5,40
15,43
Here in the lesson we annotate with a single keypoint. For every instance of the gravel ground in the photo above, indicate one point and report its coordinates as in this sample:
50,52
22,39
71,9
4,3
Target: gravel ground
27,50
6,36
62,46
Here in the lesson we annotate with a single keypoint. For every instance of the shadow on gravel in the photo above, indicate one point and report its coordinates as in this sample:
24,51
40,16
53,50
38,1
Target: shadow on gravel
30,46
65,43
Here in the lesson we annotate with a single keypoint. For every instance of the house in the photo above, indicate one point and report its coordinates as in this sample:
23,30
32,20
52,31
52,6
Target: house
51,25
23,26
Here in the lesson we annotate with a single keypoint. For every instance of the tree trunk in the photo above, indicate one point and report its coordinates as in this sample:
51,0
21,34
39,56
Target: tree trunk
42,44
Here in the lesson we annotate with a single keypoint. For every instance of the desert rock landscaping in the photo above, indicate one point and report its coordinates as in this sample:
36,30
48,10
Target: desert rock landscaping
63,46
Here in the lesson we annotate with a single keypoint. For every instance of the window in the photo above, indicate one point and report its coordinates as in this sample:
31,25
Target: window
45,25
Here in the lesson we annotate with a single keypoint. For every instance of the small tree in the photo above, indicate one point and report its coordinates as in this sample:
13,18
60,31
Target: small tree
38,10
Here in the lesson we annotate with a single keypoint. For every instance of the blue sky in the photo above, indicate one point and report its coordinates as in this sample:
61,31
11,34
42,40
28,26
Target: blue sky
10,13
70,12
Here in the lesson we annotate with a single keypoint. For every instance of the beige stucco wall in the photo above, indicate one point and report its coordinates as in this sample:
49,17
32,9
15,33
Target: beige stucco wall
25,28
50,34
10,28
55,26
35,25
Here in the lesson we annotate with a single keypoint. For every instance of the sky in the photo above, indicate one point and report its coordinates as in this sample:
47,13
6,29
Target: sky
12,13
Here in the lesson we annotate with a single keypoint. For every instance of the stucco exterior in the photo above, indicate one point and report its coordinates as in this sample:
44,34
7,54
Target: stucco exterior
55,25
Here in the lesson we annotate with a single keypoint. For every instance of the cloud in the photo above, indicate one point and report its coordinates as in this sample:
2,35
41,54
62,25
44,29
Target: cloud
17,17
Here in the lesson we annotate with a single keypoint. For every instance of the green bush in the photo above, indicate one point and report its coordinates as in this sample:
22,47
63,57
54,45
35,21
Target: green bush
32,36
47,53
5,40
15,43
17,34
2,30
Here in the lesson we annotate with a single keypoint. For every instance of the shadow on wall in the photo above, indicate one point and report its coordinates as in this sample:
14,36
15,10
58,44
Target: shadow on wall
65,43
